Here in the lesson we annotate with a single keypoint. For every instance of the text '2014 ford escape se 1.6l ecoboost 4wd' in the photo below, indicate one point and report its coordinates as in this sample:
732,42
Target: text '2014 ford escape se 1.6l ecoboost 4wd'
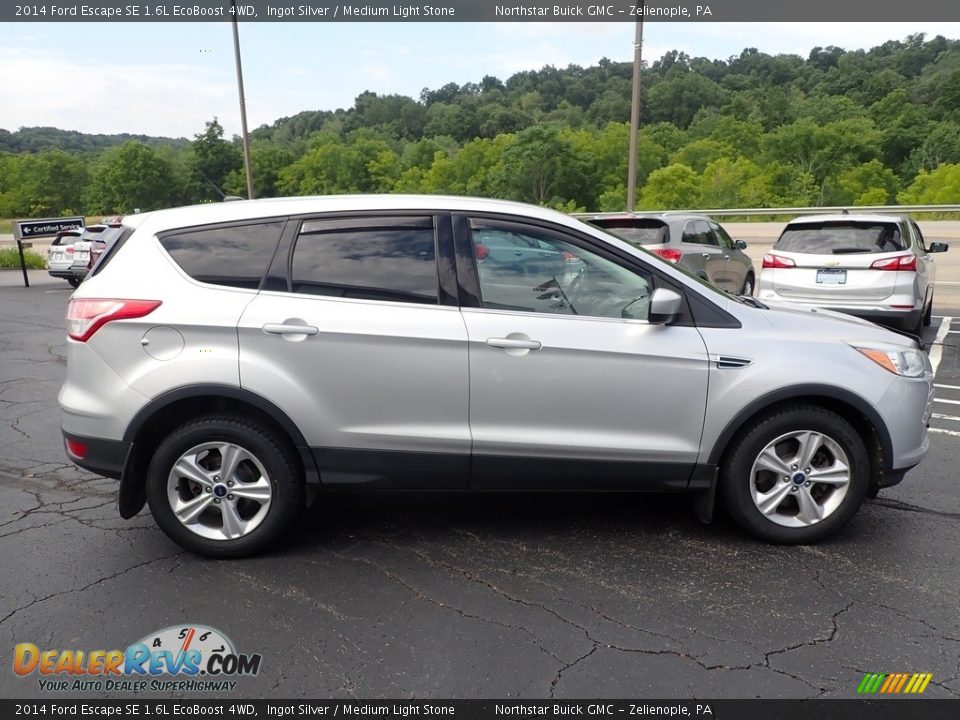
374,342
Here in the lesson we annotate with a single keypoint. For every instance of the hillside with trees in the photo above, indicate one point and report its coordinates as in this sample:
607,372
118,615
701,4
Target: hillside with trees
835,128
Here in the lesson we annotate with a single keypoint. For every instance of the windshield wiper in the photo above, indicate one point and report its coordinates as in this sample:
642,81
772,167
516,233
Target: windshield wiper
750,300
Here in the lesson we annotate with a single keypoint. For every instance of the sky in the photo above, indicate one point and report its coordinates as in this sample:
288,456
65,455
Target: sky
169,79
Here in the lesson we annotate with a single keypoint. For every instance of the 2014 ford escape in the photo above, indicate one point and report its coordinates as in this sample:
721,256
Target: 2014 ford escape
375,342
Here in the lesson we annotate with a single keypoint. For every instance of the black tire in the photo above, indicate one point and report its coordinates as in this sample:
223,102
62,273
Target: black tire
738,462
273,452
74,282
928,313
748,285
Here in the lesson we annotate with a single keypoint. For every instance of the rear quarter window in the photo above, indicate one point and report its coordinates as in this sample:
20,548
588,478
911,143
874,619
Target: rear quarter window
841,238
234,256
638,231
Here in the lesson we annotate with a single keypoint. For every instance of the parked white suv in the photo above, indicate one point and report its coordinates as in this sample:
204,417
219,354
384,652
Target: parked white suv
872,266
225,358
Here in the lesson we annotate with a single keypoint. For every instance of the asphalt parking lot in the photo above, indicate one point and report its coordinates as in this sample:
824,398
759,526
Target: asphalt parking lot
494,596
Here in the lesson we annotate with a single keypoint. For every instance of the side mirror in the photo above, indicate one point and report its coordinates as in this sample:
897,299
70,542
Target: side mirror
740,244
665,305
938,247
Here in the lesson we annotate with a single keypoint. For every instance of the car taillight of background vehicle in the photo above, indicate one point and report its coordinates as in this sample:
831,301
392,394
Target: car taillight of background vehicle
668,254
775,261
481,252
86,316
900,262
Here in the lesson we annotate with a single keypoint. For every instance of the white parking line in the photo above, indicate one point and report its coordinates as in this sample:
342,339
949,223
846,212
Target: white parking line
937,350
946,417
944,432
944,400
947,387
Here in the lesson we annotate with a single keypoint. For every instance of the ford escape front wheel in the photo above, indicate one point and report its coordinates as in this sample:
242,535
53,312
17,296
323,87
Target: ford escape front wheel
796,475
224,487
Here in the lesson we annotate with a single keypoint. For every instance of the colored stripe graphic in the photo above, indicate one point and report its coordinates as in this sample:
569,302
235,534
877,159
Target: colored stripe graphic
894,683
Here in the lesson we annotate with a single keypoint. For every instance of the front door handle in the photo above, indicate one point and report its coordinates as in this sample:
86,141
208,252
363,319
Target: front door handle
706,255
283,329
514,344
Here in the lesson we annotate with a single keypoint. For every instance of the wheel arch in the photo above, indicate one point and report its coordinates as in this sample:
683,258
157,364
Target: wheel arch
854,409
165,412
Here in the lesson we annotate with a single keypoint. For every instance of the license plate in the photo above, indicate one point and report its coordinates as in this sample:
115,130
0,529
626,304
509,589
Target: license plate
829,276
56,256
84,255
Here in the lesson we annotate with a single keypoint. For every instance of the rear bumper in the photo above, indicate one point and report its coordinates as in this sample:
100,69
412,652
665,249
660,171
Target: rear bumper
66,273
103,457
882,314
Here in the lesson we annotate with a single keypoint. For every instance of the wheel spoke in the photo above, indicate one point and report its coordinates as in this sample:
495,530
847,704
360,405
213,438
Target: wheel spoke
187,467
769,501
233,524
230,458
188,511
258,491
810,511
769,460
836,474
810,442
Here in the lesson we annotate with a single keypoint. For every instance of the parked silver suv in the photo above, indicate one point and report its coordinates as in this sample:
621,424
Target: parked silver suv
872,266
357,342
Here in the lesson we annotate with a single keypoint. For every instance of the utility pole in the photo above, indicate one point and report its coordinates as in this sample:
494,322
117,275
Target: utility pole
243,104
635,109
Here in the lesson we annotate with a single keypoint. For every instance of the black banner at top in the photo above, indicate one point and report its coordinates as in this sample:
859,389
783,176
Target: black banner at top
507,709
482,11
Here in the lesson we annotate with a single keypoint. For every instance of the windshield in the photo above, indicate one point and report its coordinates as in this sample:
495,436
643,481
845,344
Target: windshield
839,238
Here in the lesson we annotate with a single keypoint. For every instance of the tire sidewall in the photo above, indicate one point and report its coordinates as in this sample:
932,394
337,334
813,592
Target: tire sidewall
736,473
276,458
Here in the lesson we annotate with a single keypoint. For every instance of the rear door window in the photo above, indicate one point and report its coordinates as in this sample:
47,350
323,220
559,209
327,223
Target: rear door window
378,259
840,238
235,256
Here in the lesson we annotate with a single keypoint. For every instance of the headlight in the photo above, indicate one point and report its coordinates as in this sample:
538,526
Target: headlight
908,363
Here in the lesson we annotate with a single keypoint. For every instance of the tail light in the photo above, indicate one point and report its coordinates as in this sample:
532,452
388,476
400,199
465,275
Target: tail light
69,250
900,262
776,261
668,254
569,256
481,252
86,316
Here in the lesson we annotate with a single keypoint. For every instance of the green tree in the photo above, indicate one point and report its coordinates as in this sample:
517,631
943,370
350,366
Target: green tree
212,160
129,177
936,187
675,187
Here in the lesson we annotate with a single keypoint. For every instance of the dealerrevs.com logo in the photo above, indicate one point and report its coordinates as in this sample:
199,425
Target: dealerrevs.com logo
192,658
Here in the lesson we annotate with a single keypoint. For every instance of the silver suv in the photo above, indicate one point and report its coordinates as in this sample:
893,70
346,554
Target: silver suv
872,266
280,347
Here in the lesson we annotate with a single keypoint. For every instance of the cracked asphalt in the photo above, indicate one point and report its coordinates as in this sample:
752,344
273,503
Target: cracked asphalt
461,597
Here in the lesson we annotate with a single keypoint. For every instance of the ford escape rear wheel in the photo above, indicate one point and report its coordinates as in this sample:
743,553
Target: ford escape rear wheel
796,475
223,486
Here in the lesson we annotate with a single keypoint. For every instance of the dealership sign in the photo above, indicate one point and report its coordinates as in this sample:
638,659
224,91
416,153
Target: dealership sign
48,226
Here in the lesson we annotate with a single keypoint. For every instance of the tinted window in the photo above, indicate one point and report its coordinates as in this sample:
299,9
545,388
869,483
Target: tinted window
839,238
725,240
638,231
557,277
396,263
698,233
234,256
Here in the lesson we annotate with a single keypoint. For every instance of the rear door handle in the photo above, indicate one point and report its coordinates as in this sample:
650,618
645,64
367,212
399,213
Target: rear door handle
282,329
514,344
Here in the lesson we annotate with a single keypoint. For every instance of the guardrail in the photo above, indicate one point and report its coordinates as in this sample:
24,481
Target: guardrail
746,212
